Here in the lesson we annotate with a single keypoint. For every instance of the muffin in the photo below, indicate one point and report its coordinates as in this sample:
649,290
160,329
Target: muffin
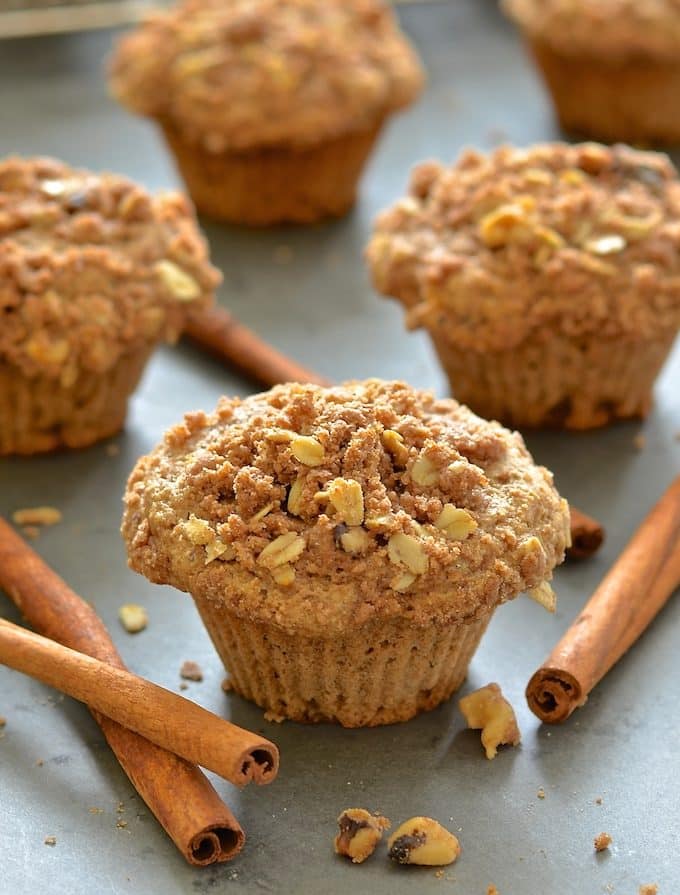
548,278
94,272
270,107
611,66
346,547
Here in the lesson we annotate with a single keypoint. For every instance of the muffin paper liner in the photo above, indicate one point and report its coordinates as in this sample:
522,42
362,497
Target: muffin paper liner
560,383
38,414
377,674
274,185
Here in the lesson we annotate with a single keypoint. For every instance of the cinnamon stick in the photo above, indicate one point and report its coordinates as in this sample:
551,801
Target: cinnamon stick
223,336
163,717
629,597
587,535
177,792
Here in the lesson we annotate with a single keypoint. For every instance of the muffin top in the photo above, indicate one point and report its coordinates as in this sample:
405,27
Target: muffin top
255,73
615,28
91,267
528,242
320,509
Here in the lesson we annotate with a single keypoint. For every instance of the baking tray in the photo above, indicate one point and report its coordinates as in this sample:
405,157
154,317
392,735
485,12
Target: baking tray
306,291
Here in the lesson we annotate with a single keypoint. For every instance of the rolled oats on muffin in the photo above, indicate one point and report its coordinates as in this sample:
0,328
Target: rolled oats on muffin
346,547
270,107
547,277
94,272
612,66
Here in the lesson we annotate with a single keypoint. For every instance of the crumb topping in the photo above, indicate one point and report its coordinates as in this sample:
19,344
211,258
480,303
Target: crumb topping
92,266
329,506
267,72
522,242
616,28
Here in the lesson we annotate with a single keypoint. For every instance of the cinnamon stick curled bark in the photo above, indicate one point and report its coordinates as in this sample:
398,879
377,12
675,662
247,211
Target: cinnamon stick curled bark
587,535
629,597
164,718
215,330
177,792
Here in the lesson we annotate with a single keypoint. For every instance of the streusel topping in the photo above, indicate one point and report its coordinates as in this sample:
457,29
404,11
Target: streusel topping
254,73
523,242
328,506
614,28
92,266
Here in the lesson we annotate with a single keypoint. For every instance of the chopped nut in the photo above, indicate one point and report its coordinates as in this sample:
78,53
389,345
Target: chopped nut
281,436
295,496
202,534
133,617
37,516
178,282
393,443
456,523
191,671
423,841
360,833
348,499
284,549
266,509
403,581
541,793
602,841
308,450
377,522
121,824
544,595
499,226
284,575
355,540
606,245
50,840
406,549
424,472
639,441
489,711
572,177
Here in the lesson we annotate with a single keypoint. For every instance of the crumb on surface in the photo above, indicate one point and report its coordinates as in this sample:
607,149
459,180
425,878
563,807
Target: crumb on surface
50,840
112,450
598,800
96,810
121,824
183,686
541,793
191,671
3,722
227,685
133,618
39,762
648,889
602,841
31,532
489,710
274,717
37,516
640,441
492,890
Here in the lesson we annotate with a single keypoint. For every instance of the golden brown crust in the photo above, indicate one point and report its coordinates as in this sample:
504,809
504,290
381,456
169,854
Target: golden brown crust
318,509
91,268
518,244
255,73
613,28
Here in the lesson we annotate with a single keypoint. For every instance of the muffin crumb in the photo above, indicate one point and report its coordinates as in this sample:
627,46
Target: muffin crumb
648,889
50,840
37,516
602,841
133,617
191,671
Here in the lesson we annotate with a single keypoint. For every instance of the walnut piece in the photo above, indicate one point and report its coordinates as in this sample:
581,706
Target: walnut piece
456,523
347,498
406,549
544,595
133,617
423,841
487,709
360,833
202,534
393,443
177,281
308,450
284,549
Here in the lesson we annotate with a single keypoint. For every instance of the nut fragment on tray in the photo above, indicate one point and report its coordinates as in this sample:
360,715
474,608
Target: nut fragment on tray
487,709
423,841
360,833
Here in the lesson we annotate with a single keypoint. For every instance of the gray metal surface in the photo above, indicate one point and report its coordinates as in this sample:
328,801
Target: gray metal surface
307,292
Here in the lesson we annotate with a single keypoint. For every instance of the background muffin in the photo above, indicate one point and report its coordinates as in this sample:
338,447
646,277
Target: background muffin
94,272
346,547
548,278
612,66
269,106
